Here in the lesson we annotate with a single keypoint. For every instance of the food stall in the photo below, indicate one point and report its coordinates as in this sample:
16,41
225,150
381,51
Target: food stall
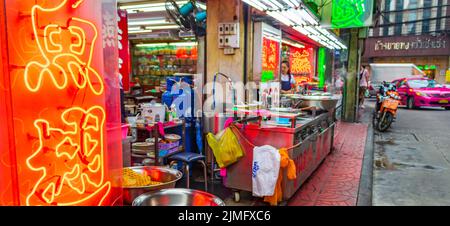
303,122
307,134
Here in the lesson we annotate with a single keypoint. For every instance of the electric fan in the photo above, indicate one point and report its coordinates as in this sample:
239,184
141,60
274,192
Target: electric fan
190,17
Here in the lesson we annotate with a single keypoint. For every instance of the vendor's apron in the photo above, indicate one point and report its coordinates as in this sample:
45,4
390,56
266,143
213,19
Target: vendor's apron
286,85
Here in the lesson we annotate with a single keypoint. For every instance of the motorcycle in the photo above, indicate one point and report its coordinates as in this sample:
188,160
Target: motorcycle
385,113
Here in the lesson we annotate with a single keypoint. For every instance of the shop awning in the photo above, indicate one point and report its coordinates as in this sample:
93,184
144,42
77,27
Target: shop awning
295,14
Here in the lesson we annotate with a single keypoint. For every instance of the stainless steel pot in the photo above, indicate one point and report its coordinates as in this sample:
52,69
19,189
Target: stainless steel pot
178,197
326,103
167,176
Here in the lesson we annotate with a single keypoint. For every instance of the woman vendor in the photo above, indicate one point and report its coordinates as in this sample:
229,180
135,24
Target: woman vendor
287,80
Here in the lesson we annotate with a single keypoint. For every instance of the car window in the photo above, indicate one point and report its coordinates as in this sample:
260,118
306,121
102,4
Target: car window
402,83
423,83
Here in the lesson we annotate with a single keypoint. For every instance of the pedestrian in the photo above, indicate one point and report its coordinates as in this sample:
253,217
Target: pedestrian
363,85
339,84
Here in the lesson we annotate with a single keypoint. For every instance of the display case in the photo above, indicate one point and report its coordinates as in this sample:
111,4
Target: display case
153,62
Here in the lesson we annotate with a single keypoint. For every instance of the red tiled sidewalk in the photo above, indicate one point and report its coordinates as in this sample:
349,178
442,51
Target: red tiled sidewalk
336,181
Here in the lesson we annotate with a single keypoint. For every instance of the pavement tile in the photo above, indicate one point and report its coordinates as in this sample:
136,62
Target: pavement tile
336,181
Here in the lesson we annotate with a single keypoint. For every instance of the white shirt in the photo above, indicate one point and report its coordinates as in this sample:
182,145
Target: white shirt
364,77
285,78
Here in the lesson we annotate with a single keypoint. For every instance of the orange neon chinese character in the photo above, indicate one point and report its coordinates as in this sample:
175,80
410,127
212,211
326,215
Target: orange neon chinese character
67,53
70,159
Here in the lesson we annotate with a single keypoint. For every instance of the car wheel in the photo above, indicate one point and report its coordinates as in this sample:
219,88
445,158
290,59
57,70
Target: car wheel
447,108
411,103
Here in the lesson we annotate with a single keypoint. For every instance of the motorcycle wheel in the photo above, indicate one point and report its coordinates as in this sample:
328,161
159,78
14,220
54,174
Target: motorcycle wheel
385,122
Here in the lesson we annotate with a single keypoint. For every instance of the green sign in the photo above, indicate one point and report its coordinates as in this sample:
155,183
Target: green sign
321,67
267,76
351,13
427,67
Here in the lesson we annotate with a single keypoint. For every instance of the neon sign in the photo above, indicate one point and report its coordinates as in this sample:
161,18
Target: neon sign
351,13
58,96
58,59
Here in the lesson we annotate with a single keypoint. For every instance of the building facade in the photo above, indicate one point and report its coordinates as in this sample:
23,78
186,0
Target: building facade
412,31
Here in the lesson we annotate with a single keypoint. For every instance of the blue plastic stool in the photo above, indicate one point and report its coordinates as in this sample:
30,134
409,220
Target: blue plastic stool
188,158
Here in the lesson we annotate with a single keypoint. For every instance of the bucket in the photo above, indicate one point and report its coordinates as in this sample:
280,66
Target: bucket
178,197
125,131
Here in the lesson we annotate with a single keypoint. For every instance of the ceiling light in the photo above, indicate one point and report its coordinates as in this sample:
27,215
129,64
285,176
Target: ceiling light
147,22
139,31
256,4
177,44
298,45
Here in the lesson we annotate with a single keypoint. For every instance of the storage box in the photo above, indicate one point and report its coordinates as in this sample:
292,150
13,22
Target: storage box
153,112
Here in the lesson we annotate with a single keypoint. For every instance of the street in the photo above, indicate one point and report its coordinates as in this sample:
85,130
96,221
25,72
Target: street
412,159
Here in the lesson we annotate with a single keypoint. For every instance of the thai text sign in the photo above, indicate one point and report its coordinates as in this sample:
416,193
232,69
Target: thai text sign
423,45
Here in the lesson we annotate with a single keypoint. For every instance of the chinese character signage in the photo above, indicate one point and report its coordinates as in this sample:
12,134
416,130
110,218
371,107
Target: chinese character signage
302,62
351,13
270,59
124,49
58,103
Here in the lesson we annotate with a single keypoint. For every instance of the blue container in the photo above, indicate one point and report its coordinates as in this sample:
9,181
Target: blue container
167,99
187,8
170,81
179,101
201,16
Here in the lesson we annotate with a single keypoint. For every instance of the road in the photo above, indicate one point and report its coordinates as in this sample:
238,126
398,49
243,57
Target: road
412,160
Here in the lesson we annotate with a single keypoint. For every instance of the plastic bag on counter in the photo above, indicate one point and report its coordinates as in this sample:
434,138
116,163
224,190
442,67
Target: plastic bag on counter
226,148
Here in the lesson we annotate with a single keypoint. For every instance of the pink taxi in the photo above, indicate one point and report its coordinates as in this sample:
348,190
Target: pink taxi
423,92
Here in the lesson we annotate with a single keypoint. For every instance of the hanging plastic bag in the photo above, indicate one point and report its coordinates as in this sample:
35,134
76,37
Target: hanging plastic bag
226,148
265,170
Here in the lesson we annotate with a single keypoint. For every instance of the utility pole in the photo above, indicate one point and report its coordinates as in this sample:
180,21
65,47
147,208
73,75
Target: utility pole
351,82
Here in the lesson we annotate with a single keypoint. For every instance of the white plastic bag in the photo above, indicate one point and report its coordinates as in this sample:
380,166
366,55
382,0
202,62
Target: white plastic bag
265,169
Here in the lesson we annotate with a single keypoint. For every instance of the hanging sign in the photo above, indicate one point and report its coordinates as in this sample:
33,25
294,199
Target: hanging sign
270,59
124,49
351,13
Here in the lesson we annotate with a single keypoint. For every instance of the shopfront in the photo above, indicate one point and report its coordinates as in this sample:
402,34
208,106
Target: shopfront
428,53
74,67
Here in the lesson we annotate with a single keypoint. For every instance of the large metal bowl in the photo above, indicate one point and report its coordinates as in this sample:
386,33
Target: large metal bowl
326,103
167,176
178,197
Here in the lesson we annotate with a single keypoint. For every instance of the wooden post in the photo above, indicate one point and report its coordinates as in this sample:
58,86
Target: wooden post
225,11
351,83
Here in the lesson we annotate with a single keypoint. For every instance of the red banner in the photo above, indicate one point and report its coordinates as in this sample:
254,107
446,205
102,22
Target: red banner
271,57
302,64
124,49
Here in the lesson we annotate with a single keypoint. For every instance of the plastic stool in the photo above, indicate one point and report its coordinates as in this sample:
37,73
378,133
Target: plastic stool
187,158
